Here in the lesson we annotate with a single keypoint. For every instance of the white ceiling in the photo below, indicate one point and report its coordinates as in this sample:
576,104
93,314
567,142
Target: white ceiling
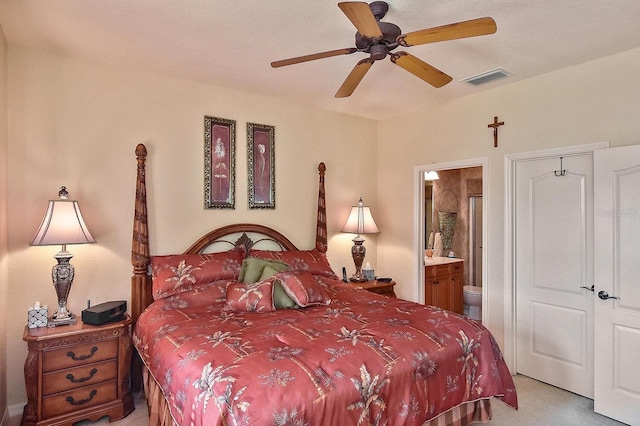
231,43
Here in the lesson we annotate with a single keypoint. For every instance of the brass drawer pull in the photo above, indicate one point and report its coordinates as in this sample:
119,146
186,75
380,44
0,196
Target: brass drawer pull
71,401
72,355
82,379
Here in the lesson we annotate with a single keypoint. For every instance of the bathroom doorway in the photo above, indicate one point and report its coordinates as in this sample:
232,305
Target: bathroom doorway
458,185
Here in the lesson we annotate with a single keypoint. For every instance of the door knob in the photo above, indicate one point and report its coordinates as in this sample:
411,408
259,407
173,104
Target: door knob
588,288
604,295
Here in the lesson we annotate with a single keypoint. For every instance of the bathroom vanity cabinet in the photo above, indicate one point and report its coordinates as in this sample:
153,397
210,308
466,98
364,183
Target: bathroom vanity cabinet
443,281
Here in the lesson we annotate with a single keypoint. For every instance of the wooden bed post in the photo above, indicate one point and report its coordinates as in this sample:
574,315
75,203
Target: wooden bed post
321,221
140,285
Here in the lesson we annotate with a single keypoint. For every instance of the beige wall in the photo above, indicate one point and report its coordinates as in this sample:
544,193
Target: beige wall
4,281
76,124
594,102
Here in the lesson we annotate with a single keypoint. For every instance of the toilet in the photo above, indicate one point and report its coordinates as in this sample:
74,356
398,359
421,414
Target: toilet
472,296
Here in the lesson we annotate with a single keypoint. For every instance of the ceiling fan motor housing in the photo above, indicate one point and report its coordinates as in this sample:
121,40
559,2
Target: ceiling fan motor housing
379,48
390,34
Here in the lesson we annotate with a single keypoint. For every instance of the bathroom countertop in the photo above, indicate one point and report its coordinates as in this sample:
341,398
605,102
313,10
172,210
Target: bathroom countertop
428,261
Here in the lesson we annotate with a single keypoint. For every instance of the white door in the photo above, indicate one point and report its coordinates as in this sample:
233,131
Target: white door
617,274
554,271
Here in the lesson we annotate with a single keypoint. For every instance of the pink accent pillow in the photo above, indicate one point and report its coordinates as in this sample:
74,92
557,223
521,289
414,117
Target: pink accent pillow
304,288
174,274
253,297
311,261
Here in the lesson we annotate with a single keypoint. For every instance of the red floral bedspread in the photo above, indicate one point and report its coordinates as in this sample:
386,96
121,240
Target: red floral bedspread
364,359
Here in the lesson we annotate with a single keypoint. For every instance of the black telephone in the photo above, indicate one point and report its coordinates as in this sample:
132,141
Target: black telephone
344,275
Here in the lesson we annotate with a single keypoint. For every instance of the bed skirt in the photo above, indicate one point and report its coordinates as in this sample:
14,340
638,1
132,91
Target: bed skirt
159,413
465,414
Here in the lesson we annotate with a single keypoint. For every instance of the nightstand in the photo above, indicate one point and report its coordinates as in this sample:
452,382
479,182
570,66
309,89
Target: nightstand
77,372
385,288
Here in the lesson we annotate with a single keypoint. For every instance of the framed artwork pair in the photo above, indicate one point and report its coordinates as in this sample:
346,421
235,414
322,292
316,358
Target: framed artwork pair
220,161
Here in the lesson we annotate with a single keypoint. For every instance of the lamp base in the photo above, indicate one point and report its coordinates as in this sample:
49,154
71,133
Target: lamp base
358,252
56,322
62,274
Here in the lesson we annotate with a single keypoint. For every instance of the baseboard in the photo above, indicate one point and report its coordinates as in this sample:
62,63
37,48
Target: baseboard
14,410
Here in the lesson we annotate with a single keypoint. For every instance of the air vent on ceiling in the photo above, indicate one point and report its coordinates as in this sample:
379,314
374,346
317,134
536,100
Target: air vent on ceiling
488,76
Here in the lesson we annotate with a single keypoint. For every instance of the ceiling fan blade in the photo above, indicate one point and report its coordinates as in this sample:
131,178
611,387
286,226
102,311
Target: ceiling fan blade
312,57
472,28
362,18
420,69
354,78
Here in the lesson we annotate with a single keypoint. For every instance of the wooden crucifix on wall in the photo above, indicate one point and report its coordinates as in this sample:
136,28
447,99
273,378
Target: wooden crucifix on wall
495,126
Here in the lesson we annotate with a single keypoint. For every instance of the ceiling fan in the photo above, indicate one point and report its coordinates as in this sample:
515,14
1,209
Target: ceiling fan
379,39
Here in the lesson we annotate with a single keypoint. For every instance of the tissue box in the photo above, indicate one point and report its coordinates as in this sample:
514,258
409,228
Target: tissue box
368,274
38,317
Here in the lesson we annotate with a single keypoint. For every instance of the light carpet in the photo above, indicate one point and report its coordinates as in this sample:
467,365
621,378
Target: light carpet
540,404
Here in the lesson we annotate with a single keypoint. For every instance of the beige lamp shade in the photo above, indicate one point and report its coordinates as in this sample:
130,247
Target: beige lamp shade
360,221
62,224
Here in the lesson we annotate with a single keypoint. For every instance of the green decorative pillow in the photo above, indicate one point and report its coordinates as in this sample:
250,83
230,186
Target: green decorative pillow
252,268
312,261
280,298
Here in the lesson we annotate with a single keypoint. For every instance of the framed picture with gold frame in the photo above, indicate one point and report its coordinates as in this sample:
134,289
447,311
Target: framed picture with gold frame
219,163
261,166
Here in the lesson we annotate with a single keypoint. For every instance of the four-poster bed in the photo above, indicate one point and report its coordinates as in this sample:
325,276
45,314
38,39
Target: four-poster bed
245,328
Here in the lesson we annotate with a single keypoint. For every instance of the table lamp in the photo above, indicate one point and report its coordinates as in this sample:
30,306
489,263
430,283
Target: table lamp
62,225
360,221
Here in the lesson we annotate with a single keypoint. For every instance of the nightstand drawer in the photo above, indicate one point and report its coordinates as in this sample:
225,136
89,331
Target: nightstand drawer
380,287
72,356
78,399
72,378
387,290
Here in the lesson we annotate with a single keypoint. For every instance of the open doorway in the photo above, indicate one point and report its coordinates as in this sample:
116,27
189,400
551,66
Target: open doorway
458,193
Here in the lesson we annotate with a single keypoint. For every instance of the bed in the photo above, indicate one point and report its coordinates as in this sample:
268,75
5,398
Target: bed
244,328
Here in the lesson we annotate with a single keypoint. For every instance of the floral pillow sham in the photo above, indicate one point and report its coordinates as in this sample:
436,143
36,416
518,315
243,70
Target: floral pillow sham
174,274
250,297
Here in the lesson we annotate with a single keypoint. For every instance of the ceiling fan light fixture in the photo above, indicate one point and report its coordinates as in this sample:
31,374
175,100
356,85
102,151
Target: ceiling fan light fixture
486,77
378,51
